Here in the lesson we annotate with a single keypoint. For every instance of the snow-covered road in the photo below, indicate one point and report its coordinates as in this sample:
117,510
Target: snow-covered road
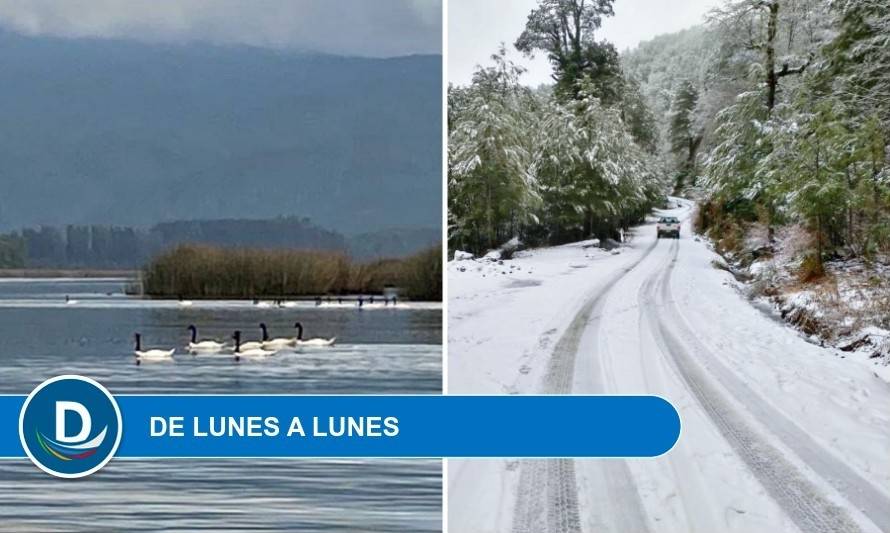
778,434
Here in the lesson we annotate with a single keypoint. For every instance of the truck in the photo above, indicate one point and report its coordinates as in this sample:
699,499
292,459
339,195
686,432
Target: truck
668,227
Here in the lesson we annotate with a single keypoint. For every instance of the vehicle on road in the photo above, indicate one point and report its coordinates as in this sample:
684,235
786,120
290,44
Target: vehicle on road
668,226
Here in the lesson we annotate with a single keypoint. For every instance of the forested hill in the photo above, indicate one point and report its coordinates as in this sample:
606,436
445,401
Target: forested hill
125,133
777,114
662,64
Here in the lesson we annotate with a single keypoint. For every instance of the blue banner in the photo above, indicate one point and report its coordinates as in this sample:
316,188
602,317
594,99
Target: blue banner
378,426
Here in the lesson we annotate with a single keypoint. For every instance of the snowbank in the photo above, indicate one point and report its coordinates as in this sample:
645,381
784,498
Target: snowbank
848,309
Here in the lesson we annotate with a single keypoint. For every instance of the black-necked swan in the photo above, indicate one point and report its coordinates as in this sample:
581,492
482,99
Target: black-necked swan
279,343
317,341
204,346
150,355
251,345
184,303
69,301
248,353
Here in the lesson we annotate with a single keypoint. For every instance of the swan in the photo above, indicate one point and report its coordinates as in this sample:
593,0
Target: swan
204,346
251,345
185,303
278,343
69,301
150,355
317,341
248,353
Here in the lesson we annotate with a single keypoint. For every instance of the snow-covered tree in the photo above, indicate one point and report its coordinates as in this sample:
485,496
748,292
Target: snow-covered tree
740,143
491,186
683,134
545,168
857,60
773,29
564,30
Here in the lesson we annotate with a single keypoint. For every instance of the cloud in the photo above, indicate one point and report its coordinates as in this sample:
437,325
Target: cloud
377,28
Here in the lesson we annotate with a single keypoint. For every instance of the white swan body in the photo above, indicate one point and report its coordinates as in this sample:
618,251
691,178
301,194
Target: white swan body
243,351
205,346
314,342
185,303
279,343
150,355
155,354
317,342
252,345
256,353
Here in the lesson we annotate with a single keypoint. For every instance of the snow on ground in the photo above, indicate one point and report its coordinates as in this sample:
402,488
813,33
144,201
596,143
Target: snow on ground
520,306
779,434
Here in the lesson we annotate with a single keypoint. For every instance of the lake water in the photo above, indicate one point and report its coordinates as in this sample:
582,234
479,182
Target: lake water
378,351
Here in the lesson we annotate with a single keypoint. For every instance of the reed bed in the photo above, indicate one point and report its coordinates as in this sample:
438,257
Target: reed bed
196,272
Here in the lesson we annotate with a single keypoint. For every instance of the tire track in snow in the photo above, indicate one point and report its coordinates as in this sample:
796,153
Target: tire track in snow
803,501
691,489
547,493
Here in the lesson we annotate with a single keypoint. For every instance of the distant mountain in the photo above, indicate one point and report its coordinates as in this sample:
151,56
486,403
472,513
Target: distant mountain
392,242
117,132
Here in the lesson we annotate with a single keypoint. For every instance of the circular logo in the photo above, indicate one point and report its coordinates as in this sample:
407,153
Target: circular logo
70,426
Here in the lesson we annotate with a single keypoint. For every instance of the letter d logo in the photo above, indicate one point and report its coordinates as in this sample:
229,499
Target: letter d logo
85,421
70,426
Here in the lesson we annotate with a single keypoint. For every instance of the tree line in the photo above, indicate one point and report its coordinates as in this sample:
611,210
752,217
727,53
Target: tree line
102,246
558,163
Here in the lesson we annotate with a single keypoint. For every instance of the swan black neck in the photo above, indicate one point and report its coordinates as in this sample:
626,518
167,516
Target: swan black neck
138,342
265,332
299,331
237,337
194,331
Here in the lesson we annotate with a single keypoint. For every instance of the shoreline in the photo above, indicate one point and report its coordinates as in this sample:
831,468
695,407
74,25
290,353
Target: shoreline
71,273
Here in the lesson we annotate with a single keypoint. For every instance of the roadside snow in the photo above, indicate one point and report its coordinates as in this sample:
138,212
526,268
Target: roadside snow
848,309
504,315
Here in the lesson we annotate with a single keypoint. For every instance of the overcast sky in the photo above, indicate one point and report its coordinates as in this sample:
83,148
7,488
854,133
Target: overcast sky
378,28
476,27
